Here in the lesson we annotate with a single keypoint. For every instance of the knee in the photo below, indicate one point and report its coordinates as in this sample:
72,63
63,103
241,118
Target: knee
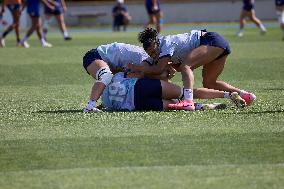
208,84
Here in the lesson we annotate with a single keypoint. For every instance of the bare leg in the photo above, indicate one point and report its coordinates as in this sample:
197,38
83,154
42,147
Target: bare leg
47,18
62,25
16,18
98,87
210,74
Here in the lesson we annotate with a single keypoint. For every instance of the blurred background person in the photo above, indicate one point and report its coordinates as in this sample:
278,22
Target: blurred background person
248,11
58,13
3,22
120,15
280,13
33,10
154,13
15,7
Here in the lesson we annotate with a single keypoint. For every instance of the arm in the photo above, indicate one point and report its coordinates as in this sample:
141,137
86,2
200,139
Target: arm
155,4
49,4
64,5
154,69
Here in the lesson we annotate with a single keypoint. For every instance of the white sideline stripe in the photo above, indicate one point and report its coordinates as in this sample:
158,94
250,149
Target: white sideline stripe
144,167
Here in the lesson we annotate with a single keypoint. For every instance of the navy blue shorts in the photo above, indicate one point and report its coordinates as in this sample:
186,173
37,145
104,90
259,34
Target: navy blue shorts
57,11
248,6
14,7
215,40
148,95
89,57
149,7
279,2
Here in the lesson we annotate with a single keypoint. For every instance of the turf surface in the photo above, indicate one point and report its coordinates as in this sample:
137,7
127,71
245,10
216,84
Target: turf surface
47,142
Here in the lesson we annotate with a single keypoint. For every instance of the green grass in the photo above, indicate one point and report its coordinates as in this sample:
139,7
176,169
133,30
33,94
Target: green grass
47,142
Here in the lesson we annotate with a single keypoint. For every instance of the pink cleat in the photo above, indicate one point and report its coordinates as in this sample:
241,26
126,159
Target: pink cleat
183,105
249,98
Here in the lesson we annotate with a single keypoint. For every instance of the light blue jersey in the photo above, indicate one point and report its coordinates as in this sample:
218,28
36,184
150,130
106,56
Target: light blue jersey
119,94
119,55
178,46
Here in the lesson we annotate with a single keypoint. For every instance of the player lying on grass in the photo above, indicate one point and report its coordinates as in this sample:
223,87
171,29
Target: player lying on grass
131,92
187,52
107,59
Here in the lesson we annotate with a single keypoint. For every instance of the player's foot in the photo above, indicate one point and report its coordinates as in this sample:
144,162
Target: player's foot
262,32
214,106
183,105
2,42
249,98
239,34
91,110
237,100
23,44
46,45
68,38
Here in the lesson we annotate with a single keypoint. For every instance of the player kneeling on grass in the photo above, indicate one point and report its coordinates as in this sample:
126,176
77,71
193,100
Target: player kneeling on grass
187,52
105,60
128,92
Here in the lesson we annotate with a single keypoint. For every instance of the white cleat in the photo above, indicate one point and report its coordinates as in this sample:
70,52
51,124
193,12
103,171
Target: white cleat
2,42
46,45
239,34
24,44
262,32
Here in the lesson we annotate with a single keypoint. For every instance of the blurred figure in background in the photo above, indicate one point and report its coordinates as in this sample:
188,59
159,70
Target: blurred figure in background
33,9
58,13
280,12
2,21
249,12
120,15
15,7
155,14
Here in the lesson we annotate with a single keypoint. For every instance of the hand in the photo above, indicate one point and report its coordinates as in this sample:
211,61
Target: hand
64,9
90,110
133,67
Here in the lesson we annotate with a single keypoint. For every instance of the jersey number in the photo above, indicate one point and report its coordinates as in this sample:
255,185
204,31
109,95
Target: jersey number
117,92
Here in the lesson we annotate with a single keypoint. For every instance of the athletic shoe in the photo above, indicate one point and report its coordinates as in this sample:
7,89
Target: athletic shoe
2,42
249,98
262,32
94,110
214,106
237,100
23,44
46,45
239,34
67,38
183,105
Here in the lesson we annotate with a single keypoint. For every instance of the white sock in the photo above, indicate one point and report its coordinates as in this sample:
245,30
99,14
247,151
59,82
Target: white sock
24,39
92,104
227,95
243,92
188,94
262,28
42,40
65,34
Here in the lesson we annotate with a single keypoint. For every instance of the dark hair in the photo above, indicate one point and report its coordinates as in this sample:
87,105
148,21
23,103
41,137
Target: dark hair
147,37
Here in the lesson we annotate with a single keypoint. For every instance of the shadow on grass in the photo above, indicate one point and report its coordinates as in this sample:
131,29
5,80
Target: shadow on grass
59,111
256,112
274,89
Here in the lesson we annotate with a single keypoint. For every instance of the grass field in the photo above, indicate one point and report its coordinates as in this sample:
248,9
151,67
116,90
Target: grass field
47,142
